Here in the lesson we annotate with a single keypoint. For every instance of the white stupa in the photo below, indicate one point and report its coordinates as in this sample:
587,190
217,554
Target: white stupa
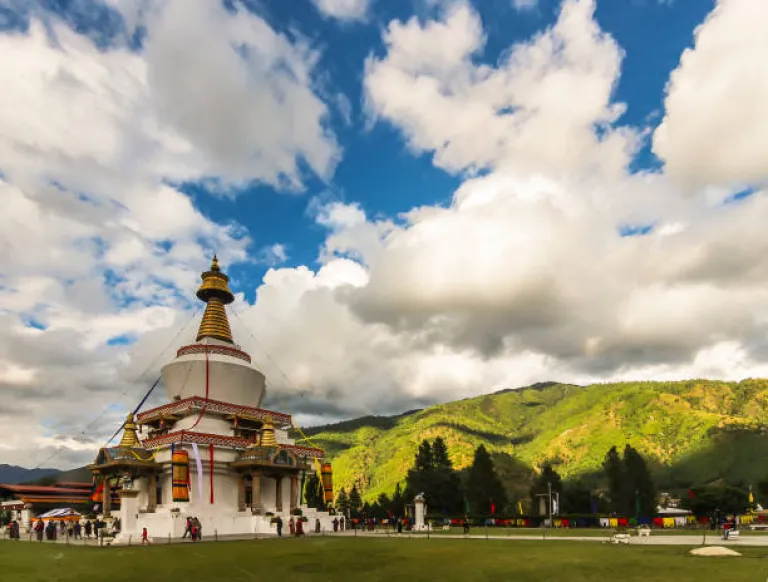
211,451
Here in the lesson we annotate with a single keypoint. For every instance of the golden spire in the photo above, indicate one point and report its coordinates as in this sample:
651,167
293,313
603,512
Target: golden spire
130,439
216,294
268,433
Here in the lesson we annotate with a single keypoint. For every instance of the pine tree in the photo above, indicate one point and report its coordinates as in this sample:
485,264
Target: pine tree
313,493
398,502
483,485
445,491
577,498
639,489
342,502
355,503
420,476
440,459
613,467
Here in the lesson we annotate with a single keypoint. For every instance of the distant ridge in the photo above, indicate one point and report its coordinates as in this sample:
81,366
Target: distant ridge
13,474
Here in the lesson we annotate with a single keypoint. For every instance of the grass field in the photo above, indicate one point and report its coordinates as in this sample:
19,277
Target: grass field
373,560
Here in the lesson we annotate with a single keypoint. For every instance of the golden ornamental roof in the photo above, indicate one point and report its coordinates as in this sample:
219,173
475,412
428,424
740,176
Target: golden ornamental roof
130,438
215,291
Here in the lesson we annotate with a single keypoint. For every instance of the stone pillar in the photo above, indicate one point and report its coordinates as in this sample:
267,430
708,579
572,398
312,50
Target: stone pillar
129,511
241,492
279,489
26,518
294,491
418,513
256,492
152,492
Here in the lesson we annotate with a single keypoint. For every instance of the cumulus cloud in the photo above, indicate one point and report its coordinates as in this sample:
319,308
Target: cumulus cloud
522,277
99,247
474,116
712,131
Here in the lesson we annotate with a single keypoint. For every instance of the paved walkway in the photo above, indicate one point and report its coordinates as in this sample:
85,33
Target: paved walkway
711,539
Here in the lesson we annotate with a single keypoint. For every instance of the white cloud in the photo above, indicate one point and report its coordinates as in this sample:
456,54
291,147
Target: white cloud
273,255
713,129
95,242
521,278
475,116
344,10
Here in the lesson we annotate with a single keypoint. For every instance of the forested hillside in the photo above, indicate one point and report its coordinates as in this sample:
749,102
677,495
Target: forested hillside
692,432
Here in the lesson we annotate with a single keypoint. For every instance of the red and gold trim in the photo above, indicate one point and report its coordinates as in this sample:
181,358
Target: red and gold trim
202,438
195,404
221,350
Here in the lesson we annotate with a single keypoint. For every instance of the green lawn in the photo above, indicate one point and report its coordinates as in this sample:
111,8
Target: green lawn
373,560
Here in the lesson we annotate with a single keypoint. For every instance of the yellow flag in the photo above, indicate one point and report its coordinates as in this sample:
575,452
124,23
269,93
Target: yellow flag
520,507
751,498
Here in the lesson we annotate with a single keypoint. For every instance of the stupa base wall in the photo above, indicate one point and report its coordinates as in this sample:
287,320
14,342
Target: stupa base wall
165,524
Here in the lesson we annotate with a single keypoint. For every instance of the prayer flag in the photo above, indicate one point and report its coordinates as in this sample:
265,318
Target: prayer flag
691,494
520,507
493,507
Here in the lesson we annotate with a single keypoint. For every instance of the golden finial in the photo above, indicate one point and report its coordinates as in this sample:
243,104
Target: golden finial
268,433
130,439
215,292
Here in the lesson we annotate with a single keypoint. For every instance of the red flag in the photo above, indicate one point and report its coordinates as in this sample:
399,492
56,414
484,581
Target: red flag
690,494
493,508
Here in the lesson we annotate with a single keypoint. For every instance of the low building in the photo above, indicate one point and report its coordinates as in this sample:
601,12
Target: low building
26,501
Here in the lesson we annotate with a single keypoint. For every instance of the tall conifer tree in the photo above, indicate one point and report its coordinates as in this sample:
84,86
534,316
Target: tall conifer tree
484,488
342,502
355,503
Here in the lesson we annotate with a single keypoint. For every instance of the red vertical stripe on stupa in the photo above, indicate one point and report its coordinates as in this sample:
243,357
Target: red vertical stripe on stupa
210,454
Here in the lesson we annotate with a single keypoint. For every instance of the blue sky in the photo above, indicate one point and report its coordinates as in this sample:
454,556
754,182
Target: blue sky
377,169
417,200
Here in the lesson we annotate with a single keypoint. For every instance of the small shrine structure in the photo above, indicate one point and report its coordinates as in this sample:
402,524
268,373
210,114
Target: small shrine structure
211,452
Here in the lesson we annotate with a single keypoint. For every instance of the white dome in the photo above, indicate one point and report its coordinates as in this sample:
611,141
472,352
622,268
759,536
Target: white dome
231,378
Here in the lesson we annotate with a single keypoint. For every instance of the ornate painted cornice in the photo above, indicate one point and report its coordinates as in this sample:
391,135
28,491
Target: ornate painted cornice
202,438
212,349
195,404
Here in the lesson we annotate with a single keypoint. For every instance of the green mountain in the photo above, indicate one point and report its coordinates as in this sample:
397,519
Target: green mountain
692,433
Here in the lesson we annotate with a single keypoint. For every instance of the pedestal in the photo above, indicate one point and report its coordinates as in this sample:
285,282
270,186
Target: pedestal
129,510
419,523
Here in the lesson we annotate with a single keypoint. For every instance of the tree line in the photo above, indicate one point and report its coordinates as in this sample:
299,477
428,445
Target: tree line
627,489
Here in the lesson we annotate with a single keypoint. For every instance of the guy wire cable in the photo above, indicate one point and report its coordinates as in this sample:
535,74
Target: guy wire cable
106,409
274,362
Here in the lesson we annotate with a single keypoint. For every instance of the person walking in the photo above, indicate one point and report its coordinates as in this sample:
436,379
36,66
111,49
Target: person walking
188,528
145,537
279,524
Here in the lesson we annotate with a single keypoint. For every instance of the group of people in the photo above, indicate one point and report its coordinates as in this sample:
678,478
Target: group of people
72,529
13,530
194,528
